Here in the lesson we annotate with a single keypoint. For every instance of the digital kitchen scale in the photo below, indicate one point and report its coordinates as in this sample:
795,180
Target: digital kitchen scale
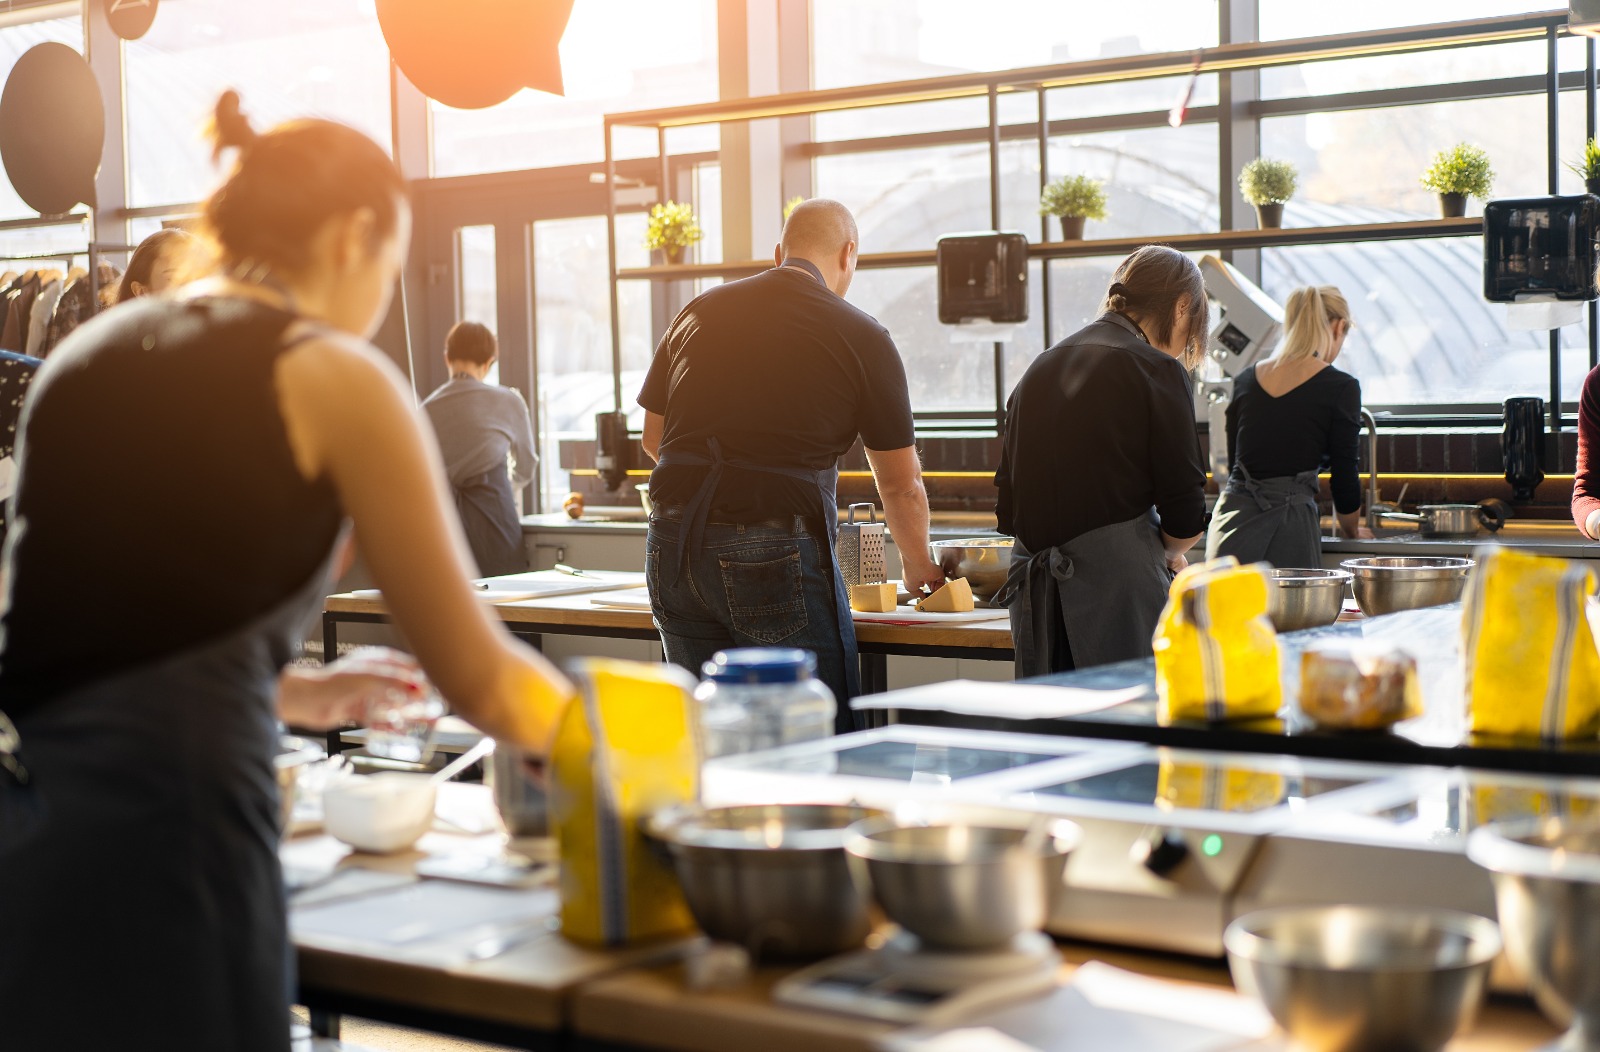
900,982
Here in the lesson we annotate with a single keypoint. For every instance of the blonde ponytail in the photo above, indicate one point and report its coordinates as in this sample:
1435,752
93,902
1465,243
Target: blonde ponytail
1306,320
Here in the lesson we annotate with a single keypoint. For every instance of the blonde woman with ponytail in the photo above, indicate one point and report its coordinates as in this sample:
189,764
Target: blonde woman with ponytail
1291,417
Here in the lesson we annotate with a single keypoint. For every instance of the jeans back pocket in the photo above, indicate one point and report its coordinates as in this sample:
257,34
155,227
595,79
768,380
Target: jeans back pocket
765,588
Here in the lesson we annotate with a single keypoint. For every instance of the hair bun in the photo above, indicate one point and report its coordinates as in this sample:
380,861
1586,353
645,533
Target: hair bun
230,128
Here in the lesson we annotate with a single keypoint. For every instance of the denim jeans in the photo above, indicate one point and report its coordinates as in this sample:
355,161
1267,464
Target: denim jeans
748,586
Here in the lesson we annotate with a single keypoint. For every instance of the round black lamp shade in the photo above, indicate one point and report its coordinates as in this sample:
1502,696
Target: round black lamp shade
130,19
471,54
52,129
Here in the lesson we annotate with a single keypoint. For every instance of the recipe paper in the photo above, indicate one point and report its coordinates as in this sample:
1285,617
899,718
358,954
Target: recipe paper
1015,701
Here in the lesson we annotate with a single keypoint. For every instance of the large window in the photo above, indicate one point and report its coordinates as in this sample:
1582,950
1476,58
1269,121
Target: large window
1424,336
572,318
289,58
615,55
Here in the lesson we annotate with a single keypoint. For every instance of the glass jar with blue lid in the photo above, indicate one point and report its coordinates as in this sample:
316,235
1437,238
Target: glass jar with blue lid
760,698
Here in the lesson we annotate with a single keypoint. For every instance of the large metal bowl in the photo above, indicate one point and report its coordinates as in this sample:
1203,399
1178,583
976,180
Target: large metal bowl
983,561
1386,583
293,754
1305,598
1547,888
963,886
773,879
1356,979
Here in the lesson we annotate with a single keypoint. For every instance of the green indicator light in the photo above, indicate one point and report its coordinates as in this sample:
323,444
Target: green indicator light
1211,846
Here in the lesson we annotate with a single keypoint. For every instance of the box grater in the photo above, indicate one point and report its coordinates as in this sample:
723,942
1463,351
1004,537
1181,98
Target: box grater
860,548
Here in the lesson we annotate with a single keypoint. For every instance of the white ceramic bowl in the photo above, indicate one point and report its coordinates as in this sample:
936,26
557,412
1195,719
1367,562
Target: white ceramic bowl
380,812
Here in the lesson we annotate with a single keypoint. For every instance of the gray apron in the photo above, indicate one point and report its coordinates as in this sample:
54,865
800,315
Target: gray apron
698,510
1099,595
488,511
141,899
1276,520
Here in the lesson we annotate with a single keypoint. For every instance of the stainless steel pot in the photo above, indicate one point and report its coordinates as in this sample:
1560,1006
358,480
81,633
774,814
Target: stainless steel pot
983,561
1306,598
1451,520
1386,583
773,879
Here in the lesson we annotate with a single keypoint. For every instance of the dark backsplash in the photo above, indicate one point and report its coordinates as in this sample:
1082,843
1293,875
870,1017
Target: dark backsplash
958,470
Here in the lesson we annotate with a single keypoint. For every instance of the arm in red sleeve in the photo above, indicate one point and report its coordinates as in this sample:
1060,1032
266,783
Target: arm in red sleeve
1586,484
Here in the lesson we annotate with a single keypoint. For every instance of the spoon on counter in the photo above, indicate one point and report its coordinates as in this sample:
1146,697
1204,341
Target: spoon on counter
462,762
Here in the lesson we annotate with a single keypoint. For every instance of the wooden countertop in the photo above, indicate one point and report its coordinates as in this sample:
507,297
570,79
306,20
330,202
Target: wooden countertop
658,1002
577,611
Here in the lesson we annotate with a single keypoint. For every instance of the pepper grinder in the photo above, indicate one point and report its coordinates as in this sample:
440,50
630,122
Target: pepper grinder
1522,444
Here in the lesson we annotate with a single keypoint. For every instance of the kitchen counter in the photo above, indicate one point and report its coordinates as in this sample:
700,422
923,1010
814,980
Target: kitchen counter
380,943
629,521
1439,737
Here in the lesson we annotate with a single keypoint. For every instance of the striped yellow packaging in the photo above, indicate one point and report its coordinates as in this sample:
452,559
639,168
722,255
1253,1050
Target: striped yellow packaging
1216,653
625,748
1531,664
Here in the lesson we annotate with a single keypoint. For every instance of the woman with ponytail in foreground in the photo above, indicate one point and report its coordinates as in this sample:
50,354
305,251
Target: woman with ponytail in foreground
139,876
1101,481
1291,417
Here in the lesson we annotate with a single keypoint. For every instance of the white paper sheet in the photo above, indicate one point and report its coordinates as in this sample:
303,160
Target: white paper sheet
1017,701
541,584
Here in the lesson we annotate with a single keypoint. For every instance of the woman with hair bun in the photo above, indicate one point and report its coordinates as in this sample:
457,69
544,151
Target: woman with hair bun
138,802
1291,417
1101,480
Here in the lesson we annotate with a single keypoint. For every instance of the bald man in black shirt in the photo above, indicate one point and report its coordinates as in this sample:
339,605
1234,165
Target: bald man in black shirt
756,390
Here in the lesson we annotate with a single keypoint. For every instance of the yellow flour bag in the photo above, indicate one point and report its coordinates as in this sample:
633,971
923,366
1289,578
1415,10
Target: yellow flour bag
1532,669
625,748
1216,653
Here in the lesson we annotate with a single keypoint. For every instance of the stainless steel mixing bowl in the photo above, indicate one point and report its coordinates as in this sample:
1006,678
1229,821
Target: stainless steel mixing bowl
1357,979
1305,598
983,561
1547,888
1386,583
293,754
773,879
963,886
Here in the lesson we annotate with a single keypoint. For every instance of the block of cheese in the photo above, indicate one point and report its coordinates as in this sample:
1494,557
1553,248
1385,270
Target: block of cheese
872,598
953,597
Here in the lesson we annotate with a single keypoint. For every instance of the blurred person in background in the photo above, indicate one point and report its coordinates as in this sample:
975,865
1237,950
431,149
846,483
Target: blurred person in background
1291,417
486,437
1101,481
162,261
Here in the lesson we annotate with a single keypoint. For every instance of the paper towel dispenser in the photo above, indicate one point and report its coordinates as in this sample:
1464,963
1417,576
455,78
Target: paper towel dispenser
983,275
1540,247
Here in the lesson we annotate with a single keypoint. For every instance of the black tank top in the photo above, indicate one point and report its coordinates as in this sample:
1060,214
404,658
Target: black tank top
158,505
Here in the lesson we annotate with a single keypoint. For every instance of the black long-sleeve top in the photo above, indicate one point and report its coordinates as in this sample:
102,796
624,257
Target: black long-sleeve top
1316,426
1100,429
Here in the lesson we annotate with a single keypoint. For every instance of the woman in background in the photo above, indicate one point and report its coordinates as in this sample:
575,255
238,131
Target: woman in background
138,802
159,263
1292,416
1101,480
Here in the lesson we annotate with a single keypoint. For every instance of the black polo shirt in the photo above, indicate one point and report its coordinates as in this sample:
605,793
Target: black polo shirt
1100,429
781,372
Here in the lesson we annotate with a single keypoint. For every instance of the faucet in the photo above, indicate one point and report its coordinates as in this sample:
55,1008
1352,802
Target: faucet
1376,510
